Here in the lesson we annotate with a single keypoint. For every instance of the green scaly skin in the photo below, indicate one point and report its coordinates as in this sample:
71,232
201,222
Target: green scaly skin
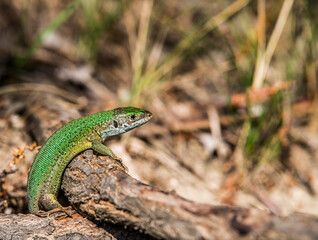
76,136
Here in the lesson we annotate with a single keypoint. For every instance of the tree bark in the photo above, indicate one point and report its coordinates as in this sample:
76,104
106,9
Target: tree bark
98,188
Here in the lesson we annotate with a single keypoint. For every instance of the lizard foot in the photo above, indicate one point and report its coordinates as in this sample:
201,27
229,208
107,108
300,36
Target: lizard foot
120,161
65,210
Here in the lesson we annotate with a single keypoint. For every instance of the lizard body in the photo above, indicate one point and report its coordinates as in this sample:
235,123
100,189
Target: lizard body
76,136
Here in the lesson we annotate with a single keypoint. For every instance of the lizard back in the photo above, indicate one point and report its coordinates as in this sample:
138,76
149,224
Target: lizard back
57,152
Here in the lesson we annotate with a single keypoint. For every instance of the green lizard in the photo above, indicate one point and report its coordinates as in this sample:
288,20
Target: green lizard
76,136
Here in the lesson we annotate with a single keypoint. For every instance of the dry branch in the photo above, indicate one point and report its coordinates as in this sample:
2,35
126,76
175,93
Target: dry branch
29,226
100,189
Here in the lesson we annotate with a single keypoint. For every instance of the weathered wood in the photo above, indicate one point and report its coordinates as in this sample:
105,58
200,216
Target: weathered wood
29,226
99,189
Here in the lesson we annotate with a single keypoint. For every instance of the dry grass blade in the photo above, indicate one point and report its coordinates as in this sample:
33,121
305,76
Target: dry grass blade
138,60
263,63
261,26
174,58
36,87
64,15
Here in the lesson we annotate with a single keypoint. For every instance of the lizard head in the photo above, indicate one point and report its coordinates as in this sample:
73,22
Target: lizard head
123,120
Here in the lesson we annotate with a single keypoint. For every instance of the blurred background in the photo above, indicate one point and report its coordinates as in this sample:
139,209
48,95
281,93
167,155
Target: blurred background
232,86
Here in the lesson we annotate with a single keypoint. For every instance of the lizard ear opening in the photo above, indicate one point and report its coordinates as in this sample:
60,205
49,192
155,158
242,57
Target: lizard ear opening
115,123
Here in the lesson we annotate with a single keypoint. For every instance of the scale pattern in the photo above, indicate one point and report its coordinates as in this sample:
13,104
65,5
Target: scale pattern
71,139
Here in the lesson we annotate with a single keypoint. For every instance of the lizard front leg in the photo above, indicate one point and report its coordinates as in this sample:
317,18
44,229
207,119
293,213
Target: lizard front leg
99,147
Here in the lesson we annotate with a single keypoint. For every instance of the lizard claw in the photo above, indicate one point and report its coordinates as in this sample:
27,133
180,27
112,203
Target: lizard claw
65,210
120,161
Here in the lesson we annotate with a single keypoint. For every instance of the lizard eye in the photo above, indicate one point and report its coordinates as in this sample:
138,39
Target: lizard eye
133,117
115,123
